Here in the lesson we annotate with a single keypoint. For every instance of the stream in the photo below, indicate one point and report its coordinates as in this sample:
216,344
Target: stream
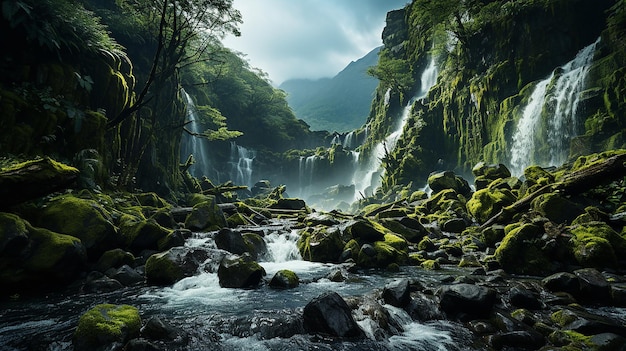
215,318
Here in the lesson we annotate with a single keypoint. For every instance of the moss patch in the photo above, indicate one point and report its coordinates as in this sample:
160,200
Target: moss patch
105,324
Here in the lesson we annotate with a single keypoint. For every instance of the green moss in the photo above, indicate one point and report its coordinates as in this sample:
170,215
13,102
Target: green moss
105,324
319,244
161,270
431,265
486,203
596,244
520,252
50,249
236,220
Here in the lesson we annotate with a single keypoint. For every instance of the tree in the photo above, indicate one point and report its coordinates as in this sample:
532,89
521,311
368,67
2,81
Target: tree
393,72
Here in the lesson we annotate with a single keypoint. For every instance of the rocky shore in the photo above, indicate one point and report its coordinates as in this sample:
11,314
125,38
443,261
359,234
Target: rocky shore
537,261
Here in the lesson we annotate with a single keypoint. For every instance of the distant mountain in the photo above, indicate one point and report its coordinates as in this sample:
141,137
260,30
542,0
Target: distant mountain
341,103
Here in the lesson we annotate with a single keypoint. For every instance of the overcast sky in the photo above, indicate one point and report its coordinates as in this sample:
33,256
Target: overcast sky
308,38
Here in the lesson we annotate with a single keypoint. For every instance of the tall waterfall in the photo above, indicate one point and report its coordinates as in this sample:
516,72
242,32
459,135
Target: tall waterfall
241,160
193,145
549,119
369,176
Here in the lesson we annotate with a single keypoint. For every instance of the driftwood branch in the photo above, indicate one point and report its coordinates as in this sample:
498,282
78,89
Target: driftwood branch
574,183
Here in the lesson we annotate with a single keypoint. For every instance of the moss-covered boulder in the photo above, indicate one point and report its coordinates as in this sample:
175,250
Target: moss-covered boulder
34,258
151,200
138,234
363,229
84,219
284,279
486,203
104,325
115,258
240,272
320,244
448,180
556,207
521,251
206,215
381,254
166,268
597,245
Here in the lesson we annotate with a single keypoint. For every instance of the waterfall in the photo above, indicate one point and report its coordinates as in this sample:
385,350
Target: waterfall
369,177
349,141
241,164
555,101
193,145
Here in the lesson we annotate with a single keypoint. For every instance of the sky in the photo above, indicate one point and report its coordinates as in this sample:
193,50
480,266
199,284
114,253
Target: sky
308,38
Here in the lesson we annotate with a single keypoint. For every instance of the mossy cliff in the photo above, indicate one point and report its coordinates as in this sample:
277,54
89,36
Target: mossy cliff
489,62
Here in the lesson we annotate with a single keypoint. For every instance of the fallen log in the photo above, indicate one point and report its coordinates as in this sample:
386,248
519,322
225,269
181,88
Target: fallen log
573,183
32,179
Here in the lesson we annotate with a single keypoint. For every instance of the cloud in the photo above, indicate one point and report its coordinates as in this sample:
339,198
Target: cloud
308,38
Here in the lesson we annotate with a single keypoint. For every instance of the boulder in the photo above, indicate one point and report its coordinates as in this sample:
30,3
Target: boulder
114,259
320,244
168,267
397,293
490,171
521,251
84,219
140,234
32,258
470,299
206,215
240,272
364,230
105,325
231,241
289,204
596,244
256,245
593,286
284,279
486,203
448,180
329,314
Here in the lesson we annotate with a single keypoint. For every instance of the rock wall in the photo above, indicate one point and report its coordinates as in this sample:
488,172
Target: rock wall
488,70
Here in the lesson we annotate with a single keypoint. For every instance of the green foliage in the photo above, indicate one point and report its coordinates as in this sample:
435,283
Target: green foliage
393,72
59,26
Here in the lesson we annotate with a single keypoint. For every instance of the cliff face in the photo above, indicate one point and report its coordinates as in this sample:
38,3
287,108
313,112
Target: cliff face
494,58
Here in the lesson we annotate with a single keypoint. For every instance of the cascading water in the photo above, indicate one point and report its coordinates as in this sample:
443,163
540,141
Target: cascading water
241,160
193,145
369,176
555,101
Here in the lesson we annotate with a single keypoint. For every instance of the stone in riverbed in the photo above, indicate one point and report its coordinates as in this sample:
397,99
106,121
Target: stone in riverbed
284,279
320,244
329,314
470,299
106,325
397,293
168,267
240,272
206,215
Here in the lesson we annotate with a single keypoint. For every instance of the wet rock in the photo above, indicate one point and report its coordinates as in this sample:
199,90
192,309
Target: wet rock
454,225
330,314
284,279
518,339
127,276
562,281
320,218
157,329
398,226
397,293
593,286
255,245
490,171
105,325
320,244
231,241
206,215
141,235
141,345
608,341
486,203
618,295
523,298
581,321
102,284
290,204
470,299
240,272
596,244
521,251
168,267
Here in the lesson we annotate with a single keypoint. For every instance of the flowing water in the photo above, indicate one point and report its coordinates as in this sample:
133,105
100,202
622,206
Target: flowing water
549,119
194,145
368,177
241,160
215,318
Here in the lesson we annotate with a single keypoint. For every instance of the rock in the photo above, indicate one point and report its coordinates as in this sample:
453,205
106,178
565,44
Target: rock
320,218
127,276
454,225
156,329
255,245
261,187
141,345
597,245
320,244
486,203
35,258
98,283
168,267
115,258
556,208
365,230
289,204
562,281
84,219
523,298
576,319
410,234
240,272
521,251
284,279
104,325
448,180
474,300
490,171
206,215
393,250
397,293
593,286
330,314
231,241
139,234
518,339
